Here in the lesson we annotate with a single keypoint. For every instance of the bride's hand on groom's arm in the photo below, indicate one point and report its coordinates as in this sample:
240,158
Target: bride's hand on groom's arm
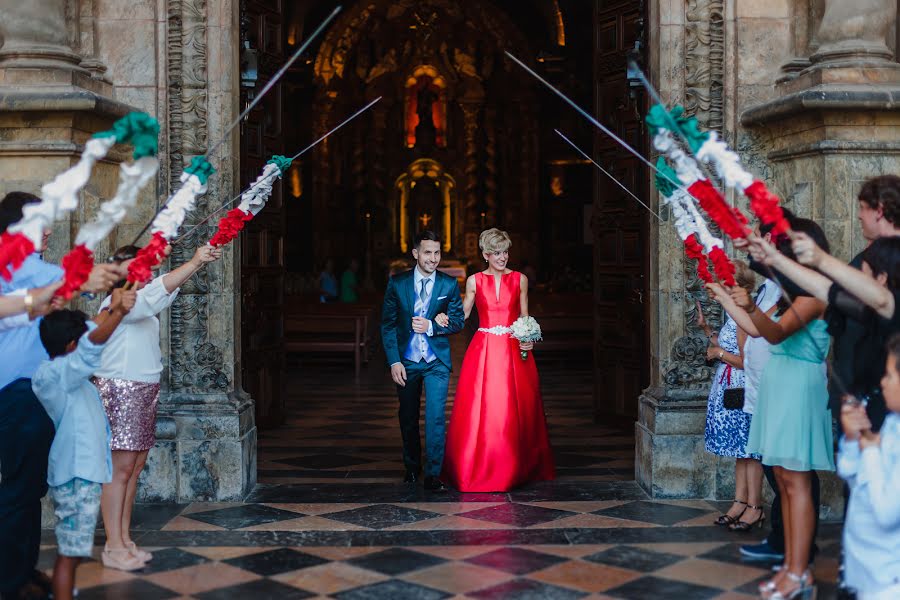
442,320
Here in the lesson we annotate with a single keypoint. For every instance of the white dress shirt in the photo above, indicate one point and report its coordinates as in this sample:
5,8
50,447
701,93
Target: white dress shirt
757,351
417,280
20,320
872,526
132,352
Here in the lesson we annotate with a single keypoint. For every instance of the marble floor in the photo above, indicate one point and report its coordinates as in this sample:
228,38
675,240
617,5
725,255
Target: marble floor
330,518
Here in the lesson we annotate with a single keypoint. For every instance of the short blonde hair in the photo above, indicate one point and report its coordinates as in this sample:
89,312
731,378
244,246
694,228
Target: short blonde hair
494,240
744,276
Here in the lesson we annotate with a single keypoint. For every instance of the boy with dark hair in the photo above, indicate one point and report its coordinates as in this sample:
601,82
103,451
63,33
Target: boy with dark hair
80,458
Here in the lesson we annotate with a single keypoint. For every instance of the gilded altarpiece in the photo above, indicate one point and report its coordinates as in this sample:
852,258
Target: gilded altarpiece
412,53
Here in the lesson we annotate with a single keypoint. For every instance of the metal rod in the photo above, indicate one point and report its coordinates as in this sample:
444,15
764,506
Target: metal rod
295,157
608,174
274,80
252,105
602,127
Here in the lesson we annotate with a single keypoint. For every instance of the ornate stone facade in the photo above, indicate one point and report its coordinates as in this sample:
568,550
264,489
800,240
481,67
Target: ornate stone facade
814,136
55,80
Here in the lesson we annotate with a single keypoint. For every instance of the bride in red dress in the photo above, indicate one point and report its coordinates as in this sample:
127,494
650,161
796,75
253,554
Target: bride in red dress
497,437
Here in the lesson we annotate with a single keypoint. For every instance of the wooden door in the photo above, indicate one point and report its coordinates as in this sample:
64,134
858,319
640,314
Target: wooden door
619,224
262,248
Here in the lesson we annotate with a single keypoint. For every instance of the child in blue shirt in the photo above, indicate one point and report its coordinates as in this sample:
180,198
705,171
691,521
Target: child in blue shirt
870,463
80,459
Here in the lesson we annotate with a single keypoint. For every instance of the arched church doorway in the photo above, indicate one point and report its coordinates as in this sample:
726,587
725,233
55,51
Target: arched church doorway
462,140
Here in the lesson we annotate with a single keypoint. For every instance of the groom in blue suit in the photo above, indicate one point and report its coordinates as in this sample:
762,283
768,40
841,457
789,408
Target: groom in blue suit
418,352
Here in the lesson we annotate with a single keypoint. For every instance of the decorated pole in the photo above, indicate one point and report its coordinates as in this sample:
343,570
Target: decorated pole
729,219
165,225
265,181
271,84
699,242
252,201
608,174
58,198
142,131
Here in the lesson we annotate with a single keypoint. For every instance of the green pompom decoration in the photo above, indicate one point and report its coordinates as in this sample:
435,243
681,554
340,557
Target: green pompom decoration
201,168
665,178
282,162
138,129
675,121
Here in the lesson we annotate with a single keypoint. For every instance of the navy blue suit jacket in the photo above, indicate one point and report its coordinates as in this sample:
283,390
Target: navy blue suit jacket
399,309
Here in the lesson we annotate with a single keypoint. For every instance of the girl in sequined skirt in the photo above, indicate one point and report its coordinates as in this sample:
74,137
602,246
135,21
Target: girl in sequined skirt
128,382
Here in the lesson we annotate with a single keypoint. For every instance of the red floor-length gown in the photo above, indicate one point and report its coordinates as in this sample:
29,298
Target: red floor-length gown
497,438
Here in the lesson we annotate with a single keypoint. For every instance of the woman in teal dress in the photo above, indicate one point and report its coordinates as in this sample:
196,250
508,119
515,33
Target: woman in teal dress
791,429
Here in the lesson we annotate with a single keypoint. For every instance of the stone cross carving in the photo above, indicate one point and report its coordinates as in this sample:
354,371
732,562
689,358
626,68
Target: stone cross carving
856,30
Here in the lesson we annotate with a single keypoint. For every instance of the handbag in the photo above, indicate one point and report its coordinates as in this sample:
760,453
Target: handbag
732,398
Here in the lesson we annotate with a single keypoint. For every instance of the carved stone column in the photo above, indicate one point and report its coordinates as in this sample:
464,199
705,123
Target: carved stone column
206,448
671,460
835,124
35,36
854,33
49,106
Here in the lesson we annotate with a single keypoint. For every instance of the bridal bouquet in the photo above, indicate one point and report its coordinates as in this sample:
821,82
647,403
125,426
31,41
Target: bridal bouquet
526,329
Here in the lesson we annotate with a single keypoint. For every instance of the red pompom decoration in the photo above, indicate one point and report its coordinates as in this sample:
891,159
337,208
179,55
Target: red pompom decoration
77,265
14,249
230,226
767,207
694,251
723,266
730,220
140,269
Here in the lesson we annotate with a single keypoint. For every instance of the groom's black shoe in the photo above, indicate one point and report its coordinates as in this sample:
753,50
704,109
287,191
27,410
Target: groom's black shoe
411,477
433,484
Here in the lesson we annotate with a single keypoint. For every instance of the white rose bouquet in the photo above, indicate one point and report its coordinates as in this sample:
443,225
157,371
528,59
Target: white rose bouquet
526,329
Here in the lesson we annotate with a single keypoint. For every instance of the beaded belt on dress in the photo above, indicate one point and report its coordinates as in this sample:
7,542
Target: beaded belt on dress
496,330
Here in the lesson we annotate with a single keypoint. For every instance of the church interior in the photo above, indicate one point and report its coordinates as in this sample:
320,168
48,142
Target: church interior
460,141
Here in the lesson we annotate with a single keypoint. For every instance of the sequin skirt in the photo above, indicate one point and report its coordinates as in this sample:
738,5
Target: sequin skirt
131,410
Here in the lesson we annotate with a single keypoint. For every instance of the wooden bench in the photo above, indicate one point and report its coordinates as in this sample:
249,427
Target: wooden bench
326,333
301,307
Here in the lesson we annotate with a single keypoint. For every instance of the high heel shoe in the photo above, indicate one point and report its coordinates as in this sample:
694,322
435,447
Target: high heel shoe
141,555
805,589
745,526
726,519
121,559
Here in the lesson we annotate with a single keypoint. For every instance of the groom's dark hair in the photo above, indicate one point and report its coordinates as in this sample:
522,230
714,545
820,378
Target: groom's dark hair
425,234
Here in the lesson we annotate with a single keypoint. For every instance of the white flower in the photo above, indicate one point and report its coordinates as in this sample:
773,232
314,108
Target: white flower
526,329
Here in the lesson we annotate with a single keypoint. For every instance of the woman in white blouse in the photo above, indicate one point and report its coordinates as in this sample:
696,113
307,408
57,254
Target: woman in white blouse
128,382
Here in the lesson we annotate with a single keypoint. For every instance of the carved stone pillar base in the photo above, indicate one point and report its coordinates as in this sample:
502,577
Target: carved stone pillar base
205,451
671,460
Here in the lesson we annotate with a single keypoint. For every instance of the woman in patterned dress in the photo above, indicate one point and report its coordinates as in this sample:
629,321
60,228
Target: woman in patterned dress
727,430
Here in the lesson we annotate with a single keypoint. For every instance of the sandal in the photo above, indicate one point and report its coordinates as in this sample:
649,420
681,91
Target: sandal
139,554
120,559
745,526
726,519
805,588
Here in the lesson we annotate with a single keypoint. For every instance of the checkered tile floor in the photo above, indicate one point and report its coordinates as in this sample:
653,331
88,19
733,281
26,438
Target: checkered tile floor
330,518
